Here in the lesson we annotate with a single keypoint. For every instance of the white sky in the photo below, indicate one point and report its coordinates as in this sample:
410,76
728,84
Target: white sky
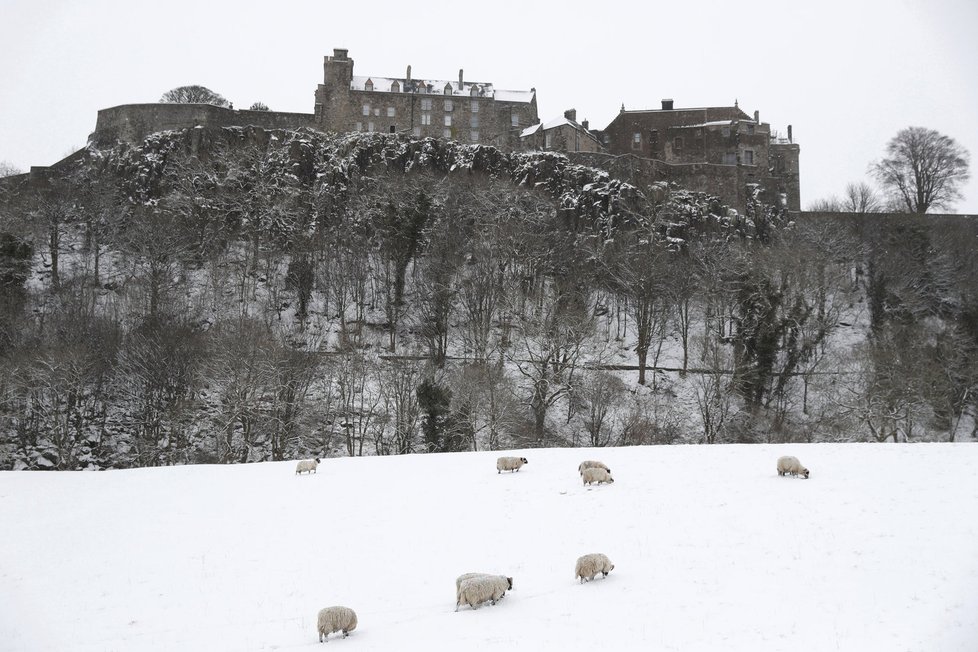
846,74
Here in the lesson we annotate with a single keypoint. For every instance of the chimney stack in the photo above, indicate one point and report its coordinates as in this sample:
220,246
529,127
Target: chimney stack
584,124
789,134
757,117
459,79
408,74
571,114
667,105
340,54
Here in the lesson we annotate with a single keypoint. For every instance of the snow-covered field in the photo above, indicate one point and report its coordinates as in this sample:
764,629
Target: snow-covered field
713,551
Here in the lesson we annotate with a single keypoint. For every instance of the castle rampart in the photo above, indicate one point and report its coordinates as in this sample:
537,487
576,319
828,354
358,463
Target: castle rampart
133,122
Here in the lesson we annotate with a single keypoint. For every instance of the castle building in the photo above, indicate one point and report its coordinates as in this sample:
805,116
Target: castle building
564,134
710,148
462,110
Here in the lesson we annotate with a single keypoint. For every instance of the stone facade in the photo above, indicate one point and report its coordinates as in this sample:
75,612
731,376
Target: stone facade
717,137
561,135
462,110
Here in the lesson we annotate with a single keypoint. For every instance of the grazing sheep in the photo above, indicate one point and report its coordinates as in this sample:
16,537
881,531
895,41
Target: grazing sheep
789,464
308,466
510,464
476,590
590,565
335,619
596,475
592,464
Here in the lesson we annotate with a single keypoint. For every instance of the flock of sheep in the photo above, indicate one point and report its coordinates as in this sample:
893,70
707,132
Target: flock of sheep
474,589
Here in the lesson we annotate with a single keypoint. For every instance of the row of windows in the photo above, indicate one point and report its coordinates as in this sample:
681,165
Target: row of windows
426,117
447,133
426,105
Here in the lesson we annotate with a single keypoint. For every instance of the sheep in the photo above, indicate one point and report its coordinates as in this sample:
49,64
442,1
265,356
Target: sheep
596,475
476,590
510,464
308,466
789,464
590,565
335,619
592,464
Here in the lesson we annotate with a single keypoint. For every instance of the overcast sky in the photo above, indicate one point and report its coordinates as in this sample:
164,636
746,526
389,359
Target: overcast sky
846,74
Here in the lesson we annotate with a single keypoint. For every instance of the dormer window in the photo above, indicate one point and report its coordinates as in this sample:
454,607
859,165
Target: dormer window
395,87
448,89
474,91
368,85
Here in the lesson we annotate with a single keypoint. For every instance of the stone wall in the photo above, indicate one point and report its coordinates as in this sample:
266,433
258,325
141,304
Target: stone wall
133,122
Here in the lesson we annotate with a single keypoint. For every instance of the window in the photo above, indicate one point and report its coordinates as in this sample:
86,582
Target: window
474,136
514,120
426,104
448,89
637,140
369,86
677,144
447,133
473,90
748,157
449,105
475,106
395,87
391,112
359,126
448,121
416,131
377,112
730,159
370,126
474,122
750,129
547,140
426,118
393,129
366,109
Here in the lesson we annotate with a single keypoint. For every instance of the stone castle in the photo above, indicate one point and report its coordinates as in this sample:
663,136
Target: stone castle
720,150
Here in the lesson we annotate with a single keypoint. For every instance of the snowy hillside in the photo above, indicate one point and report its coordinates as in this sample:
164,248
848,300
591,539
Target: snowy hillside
713,551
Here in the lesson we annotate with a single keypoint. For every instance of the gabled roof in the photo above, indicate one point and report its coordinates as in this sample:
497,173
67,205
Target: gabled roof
555,123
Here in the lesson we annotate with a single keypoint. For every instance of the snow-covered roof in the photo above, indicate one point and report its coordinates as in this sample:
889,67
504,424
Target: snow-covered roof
437,87
553,124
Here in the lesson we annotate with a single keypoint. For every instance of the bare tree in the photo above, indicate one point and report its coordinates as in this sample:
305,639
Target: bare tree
861,198
923,168
711,390
600,394
193,95
8,169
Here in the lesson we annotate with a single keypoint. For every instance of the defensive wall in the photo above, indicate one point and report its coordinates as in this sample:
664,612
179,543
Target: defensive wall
133,122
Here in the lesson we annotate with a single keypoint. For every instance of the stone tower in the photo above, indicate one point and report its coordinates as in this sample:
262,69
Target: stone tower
333,96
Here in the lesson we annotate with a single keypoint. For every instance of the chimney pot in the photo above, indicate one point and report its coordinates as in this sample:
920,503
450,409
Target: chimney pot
757,117
789,134
459,79
409,74
667,105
